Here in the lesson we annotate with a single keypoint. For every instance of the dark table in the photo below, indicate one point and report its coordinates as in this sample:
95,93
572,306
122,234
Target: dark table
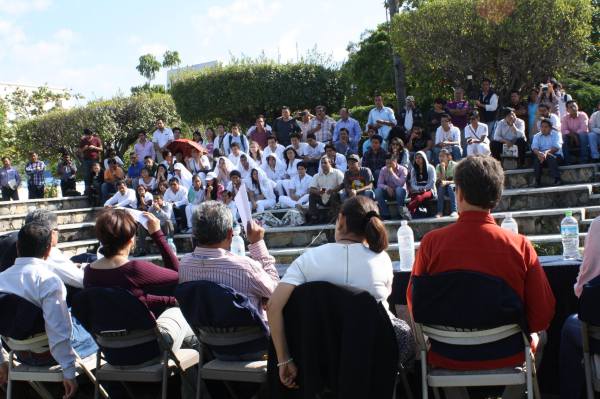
561,275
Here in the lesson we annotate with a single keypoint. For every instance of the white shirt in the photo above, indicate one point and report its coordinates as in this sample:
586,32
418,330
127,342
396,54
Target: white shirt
408,120
31,279
350,265
241,140
340,163
328,181
301,150
477,134
235,160
385,114
64,268
125,200
151,186
315,152
292,169
451,135
279,150
162,138
594,122
144,150
179,198
300,186
554,119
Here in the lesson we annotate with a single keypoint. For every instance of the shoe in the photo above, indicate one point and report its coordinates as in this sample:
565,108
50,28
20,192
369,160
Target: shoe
301,209
558,182
438,215
405,214
454,215
538,183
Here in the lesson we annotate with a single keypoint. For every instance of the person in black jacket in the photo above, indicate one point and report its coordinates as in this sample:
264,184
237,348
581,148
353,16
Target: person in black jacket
94,185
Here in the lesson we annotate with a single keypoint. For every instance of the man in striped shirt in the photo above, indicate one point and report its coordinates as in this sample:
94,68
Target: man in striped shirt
254,276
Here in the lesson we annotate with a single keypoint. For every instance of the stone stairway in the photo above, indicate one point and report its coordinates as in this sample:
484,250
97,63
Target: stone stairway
538,212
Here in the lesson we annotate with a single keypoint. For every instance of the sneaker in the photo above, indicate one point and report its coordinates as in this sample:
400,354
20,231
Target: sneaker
187,231
405,214
454,215
438,215
558,182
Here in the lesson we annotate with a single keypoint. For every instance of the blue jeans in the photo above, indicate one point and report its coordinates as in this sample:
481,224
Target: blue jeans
443,191
107,189
593,137
366,193
572,375
456,151
382,195
584,142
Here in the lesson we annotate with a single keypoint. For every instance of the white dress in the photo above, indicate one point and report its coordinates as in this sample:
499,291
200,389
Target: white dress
482,148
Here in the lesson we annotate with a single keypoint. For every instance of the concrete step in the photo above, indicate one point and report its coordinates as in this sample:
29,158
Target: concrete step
572,174
53,204
545,245
64,216
572,195
592,212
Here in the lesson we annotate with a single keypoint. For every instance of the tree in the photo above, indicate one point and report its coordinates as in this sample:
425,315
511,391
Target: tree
369,67
148,67
23,104
515,43
171,59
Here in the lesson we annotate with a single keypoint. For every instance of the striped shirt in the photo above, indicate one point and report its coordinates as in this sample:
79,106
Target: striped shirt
35,171
254,276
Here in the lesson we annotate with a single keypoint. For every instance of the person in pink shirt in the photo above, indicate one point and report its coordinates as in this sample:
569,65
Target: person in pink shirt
574,128
391,185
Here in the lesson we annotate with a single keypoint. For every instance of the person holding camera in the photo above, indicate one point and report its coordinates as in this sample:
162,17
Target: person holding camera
67,172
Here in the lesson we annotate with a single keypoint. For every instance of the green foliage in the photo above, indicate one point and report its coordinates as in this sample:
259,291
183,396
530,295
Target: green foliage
361,114
116,121
148,88
584,86
239,92
515,43
171,59
148,66
24,104
594,49
369,67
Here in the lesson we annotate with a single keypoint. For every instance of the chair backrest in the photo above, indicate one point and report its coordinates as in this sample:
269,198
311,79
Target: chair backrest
223,319
342,339
470,316
19,318
589,313
121,324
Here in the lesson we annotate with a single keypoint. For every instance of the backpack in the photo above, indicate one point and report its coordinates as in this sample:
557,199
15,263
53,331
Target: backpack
242,141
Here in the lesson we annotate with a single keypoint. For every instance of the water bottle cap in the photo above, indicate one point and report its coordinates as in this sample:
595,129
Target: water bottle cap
237,229
508,215
404,223
569,213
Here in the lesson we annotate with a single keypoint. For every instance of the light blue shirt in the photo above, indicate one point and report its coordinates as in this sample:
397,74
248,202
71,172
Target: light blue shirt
354,132
386,114
30,279
544,143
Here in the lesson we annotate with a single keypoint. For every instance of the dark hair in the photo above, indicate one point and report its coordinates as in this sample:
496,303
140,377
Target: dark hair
295,135
439,101
344,130
235,173
157,196
311,136
119,182
272,137
363,220
301,163
285,107
474,114
176,129
486,80
287,160
114,228
330,146
378,138
397,140
87,131
507,111
142,131
173,180
33,240
546,120
444,116
480,180
235,144
515,91
167,153
256,182
570,102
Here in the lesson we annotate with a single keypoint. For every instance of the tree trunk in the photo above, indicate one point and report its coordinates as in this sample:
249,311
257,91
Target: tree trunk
399,75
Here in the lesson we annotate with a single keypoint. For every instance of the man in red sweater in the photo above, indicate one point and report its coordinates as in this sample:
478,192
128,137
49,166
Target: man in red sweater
476,243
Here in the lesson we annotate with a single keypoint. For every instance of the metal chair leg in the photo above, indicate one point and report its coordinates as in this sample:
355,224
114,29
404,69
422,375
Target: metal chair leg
165,375
405,383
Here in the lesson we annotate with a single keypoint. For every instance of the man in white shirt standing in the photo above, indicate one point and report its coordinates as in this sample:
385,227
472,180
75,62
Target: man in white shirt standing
30,279
124,197
177,196
381,118
273,147
297,188
161,137
447,136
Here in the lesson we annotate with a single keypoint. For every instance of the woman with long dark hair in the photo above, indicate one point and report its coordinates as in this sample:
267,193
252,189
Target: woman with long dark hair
357,259
260,192
397,148
422,182
213,190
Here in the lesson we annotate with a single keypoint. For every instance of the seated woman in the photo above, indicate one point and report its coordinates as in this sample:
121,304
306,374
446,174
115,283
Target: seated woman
222,169
198,163
162,175
183,175
260,192
397,149
213,190
162,187
196,196
476,135
116,230
422,182
147,180
275,171
144,199
444,172
357,259
256,153
572,375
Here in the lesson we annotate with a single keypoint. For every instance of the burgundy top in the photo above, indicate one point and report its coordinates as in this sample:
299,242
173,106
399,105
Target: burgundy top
139,277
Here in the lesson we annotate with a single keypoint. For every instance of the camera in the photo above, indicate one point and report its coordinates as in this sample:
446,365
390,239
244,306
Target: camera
544,86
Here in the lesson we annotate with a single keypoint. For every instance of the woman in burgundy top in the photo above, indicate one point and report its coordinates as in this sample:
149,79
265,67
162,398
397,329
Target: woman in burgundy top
116,231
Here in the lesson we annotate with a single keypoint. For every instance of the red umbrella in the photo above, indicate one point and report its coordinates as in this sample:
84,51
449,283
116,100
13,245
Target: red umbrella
185,146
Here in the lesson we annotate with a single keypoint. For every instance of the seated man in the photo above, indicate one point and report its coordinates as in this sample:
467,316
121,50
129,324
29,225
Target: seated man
124,197
510,131
391,185
134,171
547,151
336,159
298,188
254,276
343,145
273,147
297,145
575,131
113,174
313,153
475,243
374,157
235,154
164,213
447,136
358,180
31,279
444,173
324,190
177,196
419,140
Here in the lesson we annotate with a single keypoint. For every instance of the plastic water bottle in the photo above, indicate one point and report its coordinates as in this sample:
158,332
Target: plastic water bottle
171,244
237,242
510,224
406,247
569,231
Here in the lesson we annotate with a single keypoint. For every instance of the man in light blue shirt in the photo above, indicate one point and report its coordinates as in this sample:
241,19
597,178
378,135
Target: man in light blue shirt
547,150
353,127
31,279
381,118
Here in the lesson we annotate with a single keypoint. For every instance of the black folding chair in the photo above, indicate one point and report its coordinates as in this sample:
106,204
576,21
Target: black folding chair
128,339
590,330
229,327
